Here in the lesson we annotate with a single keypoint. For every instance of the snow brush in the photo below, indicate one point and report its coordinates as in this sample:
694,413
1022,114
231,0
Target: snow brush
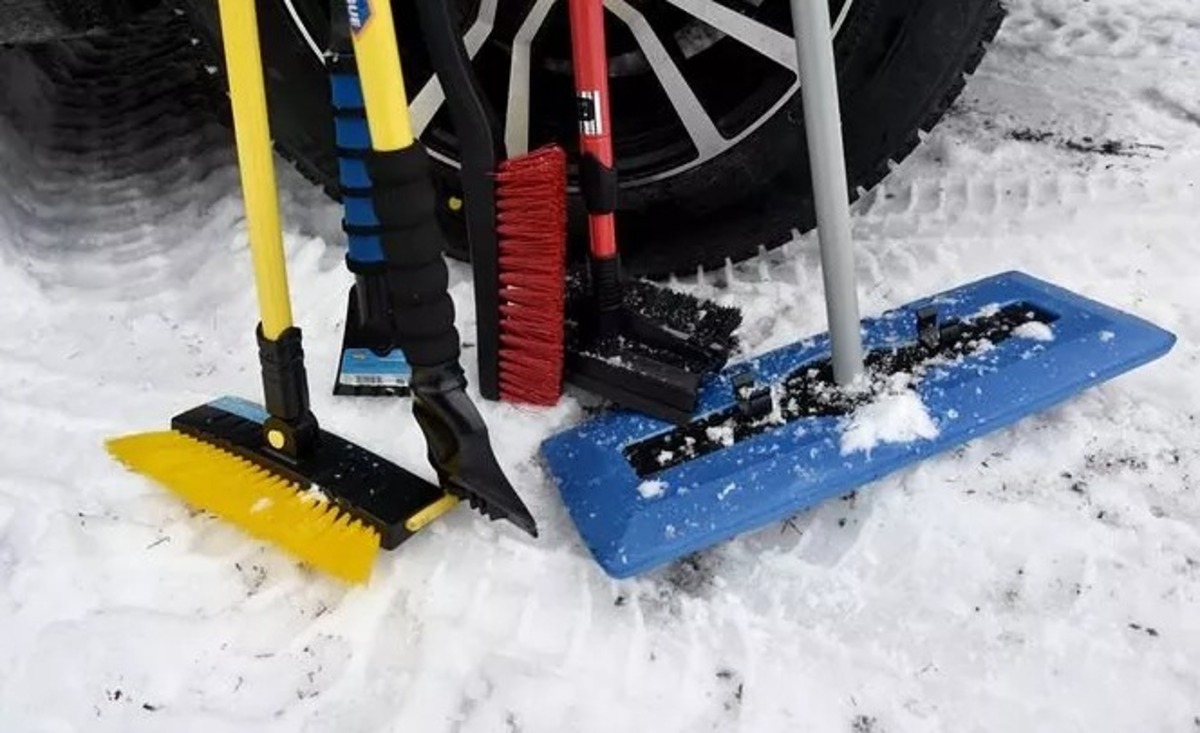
516,217
274,472
777,434
633,345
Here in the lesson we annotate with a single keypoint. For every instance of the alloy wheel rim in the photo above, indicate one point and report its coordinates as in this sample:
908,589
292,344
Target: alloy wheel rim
680,96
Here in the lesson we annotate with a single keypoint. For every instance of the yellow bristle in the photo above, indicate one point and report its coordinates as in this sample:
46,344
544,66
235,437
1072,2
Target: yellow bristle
249,496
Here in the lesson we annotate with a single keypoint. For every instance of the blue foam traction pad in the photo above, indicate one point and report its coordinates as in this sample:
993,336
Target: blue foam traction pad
632,526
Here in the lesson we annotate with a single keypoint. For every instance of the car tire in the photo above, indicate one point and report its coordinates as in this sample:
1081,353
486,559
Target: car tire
901,64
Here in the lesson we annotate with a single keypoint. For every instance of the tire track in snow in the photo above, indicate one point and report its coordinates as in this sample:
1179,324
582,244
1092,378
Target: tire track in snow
115,140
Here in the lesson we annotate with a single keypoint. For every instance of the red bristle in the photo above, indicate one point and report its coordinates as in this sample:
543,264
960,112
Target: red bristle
531,223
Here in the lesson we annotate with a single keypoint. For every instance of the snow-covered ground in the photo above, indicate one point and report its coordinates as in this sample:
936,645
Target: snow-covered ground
1044,578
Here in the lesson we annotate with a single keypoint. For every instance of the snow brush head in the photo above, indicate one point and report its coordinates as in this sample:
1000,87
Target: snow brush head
334,510
531,225
266,506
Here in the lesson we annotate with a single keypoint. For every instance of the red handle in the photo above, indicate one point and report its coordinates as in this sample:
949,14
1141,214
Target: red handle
590,56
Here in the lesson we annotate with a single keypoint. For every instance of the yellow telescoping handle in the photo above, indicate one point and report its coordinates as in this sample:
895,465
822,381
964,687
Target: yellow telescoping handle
248,95
379,70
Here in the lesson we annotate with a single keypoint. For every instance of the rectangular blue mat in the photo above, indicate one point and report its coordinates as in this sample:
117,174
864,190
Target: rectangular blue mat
639,501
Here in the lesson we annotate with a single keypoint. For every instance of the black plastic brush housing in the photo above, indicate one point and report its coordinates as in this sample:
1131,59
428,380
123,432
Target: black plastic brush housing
666,343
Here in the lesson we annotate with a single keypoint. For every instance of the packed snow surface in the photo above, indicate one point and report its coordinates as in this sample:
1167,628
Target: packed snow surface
1043,578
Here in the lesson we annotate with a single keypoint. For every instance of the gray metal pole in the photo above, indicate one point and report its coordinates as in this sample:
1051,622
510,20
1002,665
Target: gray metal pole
823,123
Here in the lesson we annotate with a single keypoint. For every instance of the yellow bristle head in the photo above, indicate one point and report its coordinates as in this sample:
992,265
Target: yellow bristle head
249,496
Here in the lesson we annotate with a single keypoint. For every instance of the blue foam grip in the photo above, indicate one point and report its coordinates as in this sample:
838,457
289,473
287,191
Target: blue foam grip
792,467
347,91
360,212
352,133
353,173
365,250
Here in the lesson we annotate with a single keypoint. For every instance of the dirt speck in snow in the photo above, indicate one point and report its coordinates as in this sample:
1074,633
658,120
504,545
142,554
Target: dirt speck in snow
865,724
1104,462
253,576
737,688
1084,145
693,575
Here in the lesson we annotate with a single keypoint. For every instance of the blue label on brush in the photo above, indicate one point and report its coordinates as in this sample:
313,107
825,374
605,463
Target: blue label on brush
360,13
244,409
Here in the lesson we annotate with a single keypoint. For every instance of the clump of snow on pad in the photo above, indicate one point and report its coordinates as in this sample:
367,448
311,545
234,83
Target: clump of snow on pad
891,417
722,434
652,489
1034,330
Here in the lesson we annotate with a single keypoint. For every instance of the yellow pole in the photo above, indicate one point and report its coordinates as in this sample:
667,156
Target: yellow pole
243,61
378,58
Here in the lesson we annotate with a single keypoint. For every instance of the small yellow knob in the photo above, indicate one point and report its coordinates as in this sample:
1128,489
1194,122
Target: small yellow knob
455,204
277,439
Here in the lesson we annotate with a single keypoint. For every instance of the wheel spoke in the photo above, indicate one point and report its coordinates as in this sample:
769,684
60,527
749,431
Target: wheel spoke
303,30
696,120
516,115
756,36
431,97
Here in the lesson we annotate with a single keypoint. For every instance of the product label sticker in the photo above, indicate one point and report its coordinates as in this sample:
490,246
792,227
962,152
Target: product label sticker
360,14
589,110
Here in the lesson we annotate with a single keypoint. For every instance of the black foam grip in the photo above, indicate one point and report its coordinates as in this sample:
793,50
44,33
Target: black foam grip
285,384
412,242
598,183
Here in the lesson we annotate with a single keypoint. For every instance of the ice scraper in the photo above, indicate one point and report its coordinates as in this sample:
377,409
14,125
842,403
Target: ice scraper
459,446
783,431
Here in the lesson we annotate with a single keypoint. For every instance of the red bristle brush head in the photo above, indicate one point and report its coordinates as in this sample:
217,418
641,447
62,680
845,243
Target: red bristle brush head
531,225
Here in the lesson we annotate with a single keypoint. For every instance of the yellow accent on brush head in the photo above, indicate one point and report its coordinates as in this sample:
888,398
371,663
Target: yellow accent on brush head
247,93
251,497
378,59
423,518
277,439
